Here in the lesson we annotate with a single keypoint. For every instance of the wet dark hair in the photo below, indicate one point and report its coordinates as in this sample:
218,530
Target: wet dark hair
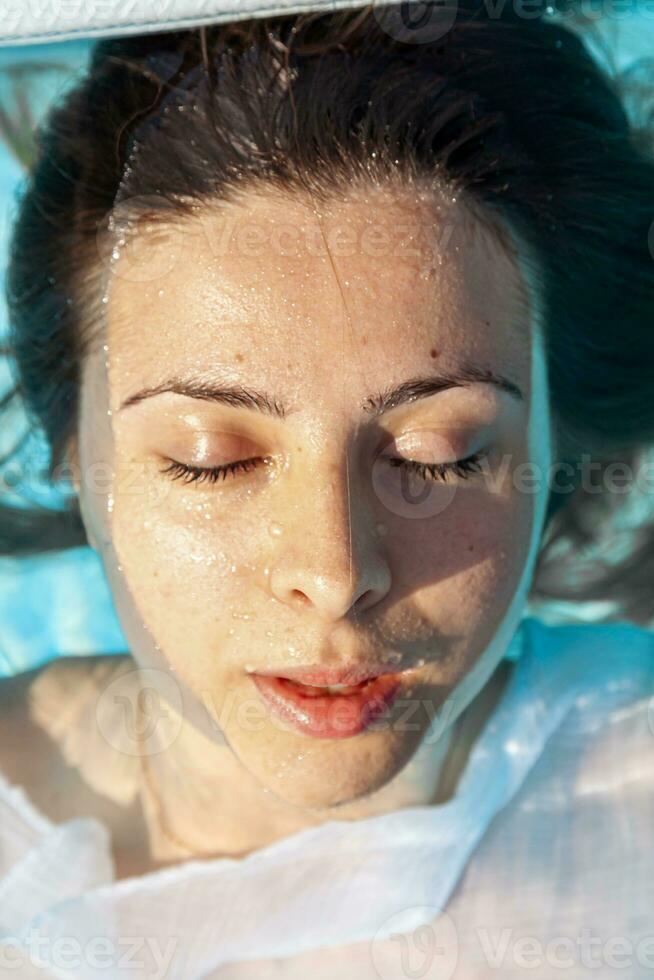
513,112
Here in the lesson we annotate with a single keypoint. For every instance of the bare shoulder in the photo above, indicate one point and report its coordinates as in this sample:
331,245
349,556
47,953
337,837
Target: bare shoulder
31,758
22,744
25,748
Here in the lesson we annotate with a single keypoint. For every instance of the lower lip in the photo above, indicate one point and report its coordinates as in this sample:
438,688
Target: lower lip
329,715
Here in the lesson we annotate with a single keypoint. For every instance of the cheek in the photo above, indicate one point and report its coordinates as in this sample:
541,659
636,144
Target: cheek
190,573
463,566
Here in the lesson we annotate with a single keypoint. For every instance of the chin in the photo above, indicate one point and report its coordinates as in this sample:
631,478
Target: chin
327,774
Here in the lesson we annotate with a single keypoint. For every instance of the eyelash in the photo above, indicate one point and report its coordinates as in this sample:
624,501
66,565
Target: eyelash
439,471
432,471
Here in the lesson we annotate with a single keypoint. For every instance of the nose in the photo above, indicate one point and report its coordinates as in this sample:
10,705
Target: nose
330,559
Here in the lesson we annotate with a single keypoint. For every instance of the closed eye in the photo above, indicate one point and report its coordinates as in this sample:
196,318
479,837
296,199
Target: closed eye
200,474
440,471
462,468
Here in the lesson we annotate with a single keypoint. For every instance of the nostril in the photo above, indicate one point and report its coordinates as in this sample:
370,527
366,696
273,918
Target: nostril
363,600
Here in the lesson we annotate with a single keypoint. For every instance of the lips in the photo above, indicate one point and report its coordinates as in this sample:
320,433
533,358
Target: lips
324,676
313,710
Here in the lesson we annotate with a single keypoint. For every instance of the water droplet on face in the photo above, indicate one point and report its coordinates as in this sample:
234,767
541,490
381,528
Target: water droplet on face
275,530
249,668
160,293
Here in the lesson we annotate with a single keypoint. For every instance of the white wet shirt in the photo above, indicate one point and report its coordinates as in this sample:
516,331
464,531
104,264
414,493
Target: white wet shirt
540,865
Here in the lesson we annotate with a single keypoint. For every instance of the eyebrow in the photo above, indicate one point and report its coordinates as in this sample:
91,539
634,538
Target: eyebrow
374,405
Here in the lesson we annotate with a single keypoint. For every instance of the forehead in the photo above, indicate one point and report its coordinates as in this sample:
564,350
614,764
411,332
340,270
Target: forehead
381,279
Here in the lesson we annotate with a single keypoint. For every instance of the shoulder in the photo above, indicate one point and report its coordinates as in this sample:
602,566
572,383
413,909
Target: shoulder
22,740
68,675
17,733
41,728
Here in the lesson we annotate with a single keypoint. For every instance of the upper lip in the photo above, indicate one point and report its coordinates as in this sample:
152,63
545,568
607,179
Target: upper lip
323,676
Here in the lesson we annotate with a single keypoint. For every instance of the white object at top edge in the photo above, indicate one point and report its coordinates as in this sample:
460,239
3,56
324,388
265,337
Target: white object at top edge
39,21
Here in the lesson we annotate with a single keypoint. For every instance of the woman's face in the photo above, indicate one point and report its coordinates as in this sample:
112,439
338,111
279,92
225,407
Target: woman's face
292,327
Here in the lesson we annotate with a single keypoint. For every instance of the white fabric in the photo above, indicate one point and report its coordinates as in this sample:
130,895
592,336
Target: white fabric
548,840
31,21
